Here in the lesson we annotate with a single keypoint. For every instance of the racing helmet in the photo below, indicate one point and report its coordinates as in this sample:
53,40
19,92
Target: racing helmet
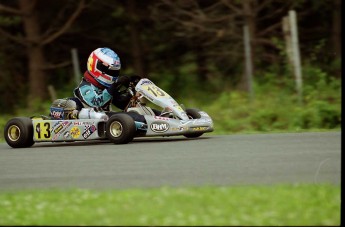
104,66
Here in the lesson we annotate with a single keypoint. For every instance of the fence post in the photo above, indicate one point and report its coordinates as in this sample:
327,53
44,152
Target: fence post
296,54
76,67
248,60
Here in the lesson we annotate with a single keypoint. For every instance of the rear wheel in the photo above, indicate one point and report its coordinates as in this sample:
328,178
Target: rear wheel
120,128
193,114
19,132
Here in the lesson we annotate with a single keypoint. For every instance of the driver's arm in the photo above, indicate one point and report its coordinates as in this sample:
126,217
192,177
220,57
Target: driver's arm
119,90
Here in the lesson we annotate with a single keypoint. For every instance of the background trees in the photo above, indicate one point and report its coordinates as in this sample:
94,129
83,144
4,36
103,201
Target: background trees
33,32
193,43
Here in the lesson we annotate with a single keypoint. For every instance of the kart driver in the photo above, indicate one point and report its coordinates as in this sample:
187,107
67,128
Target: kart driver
102,85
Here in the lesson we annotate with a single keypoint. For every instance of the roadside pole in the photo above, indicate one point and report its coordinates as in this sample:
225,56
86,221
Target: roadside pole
76,67
296,55
248,62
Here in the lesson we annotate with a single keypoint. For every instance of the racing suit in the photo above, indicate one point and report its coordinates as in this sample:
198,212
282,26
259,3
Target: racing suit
87,94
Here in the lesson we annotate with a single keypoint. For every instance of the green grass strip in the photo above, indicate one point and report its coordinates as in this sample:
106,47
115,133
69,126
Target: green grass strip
275,205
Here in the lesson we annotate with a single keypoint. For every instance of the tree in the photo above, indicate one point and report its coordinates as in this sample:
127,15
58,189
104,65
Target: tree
180,41
215,28
34,37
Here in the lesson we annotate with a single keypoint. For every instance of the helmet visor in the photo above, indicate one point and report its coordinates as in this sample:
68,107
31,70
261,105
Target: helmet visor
107,69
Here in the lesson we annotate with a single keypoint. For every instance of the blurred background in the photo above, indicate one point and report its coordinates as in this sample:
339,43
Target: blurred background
232,58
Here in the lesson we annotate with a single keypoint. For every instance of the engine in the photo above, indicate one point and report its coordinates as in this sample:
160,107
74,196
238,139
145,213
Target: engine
63,109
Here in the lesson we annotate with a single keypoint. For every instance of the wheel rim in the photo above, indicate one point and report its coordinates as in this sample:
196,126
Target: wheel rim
13,133
116,129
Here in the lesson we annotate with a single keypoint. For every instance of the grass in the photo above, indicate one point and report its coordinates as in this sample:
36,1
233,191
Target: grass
275,205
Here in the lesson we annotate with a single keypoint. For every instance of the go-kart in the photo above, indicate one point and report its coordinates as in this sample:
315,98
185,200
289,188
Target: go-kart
65,123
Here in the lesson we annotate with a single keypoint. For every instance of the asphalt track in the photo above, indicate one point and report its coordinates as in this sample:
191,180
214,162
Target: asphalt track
175,161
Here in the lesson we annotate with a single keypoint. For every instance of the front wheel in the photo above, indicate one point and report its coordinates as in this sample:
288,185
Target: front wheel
120,128
193,114
19,132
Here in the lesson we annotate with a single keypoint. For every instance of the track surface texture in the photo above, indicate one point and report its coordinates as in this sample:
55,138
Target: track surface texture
226,160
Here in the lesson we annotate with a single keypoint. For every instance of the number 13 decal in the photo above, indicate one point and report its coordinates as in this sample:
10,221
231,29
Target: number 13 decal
42,130
156,91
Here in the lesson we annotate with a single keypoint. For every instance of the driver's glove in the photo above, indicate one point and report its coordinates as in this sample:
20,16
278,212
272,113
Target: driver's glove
135,79
115,87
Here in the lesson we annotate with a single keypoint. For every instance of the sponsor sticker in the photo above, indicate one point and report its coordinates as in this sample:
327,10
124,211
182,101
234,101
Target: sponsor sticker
143,82
75,132
89,129
201,128
180,128
159,126
66,134
57,113
58,129
162,118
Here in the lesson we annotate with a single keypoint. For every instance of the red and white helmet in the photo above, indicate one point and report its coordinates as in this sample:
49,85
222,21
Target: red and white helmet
104,66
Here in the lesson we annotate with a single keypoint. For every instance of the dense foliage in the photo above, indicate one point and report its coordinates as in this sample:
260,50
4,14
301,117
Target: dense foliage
274,108
193,49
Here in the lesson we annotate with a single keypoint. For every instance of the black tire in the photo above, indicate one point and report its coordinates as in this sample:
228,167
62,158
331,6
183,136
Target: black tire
19,132
193,114
120,128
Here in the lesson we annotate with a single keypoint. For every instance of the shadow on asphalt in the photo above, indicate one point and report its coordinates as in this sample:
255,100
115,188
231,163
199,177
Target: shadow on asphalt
106,141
